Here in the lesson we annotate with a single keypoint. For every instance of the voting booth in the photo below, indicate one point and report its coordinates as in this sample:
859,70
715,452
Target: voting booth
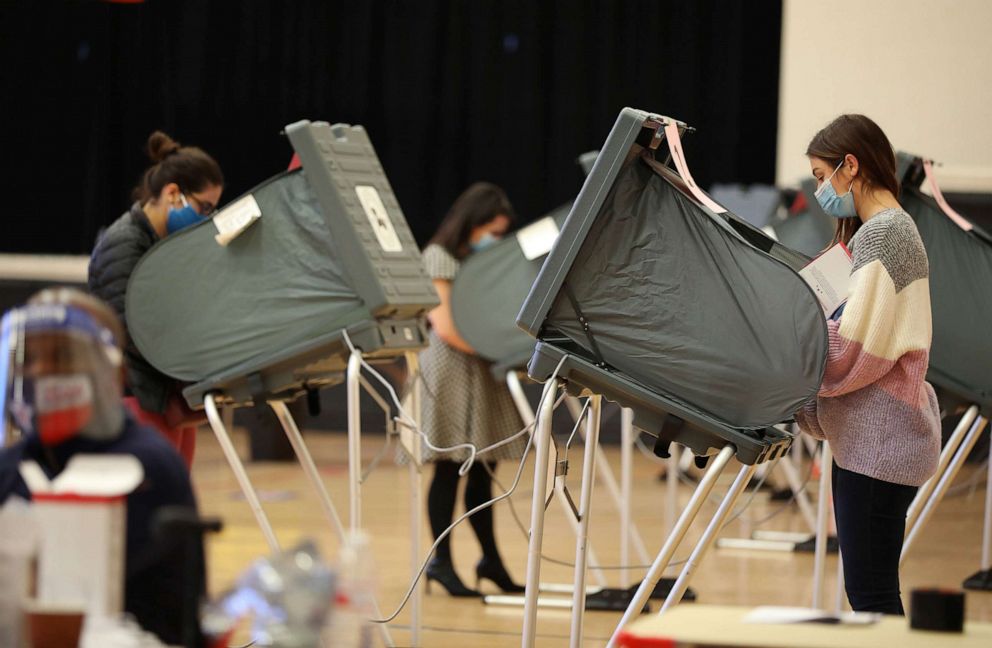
656,297
960,257
292,287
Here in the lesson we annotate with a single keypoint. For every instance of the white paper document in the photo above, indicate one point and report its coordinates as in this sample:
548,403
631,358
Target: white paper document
779,615
537,239
829,275
236,218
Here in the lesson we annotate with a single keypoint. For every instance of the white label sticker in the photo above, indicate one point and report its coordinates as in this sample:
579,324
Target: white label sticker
538,238
379,218
235,218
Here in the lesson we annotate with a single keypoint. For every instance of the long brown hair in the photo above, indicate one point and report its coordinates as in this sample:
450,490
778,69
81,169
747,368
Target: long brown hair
861,137
477,205
188,166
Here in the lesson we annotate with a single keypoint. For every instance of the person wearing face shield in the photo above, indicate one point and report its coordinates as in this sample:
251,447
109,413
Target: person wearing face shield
62,375
463,403
180,189
874,406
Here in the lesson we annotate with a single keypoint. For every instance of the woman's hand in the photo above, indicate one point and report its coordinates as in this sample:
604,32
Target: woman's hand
442,321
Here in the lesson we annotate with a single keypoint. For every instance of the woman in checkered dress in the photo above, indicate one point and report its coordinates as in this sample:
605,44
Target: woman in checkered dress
463,403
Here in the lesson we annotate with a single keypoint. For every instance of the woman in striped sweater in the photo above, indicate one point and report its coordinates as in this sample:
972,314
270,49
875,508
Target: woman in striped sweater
874,406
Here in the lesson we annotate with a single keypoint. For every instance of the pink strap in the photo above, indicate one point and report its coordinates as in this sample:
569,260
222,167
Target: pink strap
675,147
958,219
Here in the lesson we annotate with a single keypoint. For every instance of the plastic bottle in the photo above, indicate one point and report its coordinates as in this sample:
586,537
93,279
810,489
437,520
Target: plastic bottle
354,602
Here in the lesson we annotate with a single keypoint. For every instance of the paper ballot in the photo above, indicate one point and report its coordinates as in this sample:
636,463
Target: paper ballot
829,275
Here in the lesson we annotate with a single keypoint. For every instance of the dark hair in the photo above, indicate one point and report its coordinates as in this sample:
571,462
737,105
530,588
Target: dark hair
861,137
188,166
477,205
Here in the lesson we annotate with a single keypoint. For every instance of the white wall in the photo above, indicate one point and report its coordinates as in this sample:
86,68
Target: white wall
922,69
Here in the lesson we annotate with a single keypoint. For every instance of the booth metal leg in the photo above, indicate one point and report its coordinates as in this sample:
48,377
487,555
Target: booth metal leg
982,579
822,528
213,416
527,415
585,508
542,443
945,483
715,526
946,453
622,495
841,594
628,530
672,487
309,468
681,527
416,501
353,385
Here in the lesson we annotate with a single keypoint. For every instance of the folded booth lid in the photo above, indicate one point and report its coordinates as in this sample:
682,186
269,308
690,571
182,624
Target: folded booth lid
697,306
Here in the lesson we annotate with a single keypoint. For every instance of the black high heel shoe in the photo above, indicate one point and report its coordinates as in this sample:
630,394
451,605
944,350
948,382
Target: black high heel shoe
444,573
493,570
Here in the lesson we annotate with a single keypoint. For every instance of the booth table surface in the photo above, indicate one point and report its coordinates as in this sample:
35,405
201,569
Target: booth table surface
719,625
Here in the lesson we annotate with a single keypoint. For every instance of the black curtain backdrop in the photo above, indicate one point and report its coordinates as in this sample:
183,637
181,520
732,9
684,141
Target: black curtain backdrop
509,91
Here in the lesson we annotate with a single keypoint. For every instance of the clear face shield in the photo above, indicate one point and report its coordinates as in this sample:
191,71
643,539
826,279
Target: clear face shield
60,373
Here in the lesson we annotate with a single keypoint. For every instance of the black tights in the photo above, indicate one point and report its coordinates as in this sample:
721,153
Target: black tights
871,521
441,505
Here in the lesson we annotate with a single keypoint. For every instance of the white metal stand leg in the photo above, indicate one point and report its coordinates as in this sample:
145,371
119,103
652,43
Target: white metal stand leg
987,531
704,544
213,416
353,386
946,453
982,579
822,528
416,500
542,447
681,527
672,484
627,527
309,468
527,415
841,594
945,482
585,508
626,489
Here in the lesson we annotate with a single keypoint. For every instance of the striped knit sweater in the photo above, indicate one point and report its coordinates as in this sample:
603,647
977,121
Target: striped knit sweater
874,406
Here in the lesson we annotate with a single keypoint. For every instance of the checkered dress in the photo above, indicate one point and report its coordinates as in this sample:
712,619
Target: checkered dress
462,401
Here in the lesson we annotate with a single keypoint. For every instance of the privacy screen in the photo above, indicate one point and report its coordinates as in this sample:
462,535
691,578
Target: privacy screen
195,308
676,299
960,276
487,294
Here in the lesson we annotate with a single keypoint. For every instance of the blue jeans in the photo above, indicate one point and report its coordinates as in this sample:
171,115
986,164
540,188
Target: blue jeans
871,522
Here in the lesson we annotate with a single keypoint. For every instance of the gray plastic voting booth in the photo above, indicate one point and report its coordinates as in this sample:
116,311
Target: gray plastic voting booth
326,275
961,352
678,310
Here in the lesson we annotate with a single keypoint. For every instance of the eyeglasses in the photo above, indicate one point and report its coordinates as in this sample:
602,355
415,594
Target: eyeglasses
202,207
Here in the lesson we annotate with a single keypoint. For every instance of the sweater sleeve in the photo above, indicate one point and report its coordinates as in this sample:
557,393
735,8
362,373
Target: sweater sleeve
888,312
808,423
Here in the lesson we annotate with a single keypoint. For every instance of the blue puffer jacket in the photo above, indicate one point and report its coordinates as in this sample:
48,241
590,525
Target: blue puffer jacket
117,252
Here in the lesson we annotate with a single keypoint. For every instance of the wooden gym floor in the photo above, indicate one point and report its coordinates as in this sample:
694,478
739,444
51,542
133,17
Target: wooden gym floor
948,551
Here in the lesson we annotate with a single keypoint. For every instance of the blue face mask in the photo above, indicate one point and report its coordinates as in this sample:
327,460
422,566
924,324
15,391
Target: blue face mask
182,218
487,240
832,204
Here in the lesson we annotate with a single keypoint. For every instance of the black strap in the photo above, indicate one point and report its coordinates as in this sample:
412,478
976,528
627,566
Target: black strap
585,326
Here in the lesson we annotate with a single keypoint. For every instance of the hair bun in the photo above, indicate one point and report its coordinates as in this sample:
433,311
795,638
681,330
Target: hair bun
161,146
